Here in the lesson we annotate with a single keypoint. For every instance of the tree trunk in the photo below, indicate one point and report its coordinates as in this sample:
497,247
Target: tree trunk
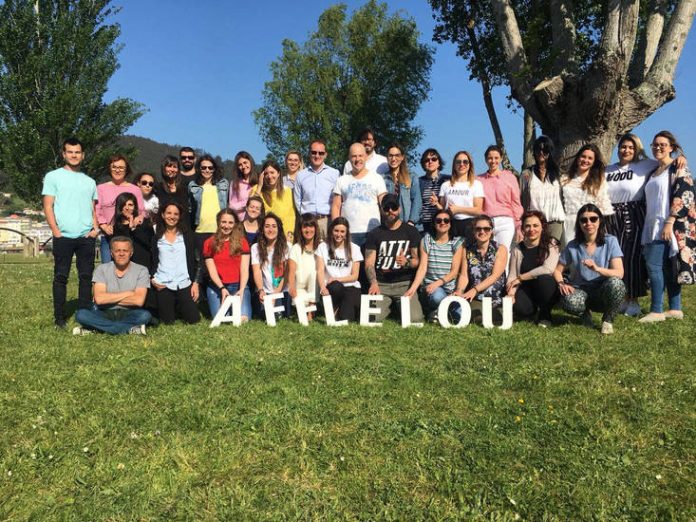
529,138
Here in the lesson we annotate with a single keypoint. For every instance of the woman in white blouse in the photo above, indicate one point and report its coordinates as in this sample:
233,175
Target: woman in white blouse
540,188
584,184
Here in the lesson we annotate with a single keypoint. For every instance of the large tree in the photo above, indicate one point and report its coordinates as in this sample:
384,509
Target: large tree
584,71
56,58
366,70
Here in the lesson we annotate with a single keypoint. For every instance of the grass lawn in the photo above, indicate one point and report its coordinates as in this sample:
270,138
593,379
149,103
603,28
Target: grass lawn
318,423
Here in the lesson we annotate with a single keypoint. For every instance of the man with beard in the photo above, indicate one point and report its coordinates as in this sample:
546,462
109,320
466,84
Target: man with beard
374,162
391,259
187,162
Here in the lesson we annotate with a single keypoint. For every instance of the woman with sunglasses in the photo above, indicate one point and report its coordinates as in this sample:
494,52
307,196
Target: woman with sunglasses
584,183
146,182
399,181
244,178
532,262
175,267
120,171
141,233
595,263
293,165
269,261
302,265
338,268
227,255
207,196
440,256
501,199
462,195
482,273
430,185
172,189
669,235
277,198
540,187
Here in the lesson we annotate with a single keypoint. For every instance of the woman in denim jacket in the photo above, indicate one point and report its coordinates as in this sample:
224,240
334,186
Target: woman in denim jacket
399,182
208,194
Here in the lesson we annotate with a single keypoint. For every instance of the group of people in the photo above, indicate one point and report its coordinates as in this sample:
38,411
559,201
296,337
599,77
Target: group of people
586,240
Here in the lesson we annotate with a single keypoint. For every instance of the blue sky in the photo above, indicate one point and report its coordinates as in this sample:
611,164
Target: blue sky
200,67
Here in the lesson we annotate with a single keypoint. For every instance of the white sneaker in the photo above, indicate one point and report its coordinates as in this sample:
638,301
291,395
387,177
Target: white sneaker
138,330
607,328
674,314
78,330
632,309
652,317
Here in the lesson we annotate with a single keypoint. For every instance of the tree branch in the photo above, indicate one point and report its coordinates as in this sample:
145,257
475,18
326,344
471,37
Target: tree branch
670,49
618,38
647,45
563,35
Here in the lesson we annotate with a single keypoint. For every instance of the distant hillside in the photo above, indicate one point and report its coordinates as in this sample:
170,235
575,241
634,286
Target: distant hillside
150,154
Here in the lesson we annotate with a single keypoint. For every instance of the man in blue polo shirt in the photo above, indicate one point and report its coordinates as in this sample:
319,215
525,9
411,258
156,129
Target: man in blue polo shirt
68,202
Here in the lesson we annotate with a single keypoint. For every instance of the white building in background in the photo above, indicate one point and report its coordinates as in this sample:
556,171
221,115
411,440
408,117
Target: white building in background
11,241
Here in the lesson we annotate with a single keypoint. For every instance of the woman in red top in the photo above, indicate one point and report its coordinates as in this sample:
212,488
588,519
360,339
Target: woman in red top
227,255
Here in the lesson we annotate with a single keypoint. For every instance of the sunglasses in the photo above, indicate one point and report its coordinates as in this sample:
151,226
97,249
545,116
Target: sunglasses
207,168
432,159
461,162
187,158
590,219
441,221
317,153
391,207
483,229
147,183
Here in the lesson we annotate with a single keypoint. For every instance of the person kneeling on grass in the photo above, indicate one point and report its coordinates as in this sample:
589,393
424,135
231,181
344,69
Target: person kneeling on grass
119,288
595,261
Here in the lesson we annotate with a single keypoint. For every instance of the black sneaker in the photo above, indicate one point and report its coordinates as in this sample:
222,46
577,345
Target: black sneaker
60,324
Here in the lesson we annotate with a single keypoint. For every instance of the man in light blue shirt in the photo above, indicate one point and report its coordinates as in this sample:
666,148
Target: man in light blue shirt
314,186
68,203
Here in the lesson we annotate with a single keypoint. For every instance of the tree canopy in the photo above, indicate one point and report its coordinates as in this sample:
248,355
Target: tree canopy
585,71
56,58
351,73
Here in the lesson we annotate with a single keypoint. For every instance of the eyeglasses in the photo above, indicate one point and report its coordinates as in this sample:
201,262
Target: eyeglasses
317,152
589,219
185,158
114,167
461,162
393,156
147,183
483,229
660,146
431,159
390,207
442,221
207,167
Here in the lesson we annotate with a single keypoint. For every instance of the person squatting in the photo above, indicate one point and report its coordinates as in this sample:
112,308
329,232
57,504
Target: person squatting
374,240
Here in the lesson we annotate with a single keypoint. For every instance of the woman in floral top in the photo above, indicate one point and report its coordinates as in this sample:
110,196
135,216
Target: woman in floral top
483,271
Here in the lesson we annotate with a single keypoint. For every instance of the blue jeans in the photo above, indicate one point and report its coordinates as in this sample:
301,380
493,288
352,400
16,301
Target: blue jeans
659,267
432,301
214,300
104,249
112,320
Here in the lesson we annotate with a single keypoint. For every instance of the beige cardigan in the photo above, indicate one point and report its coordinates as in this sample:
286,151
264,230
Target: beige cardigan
547,268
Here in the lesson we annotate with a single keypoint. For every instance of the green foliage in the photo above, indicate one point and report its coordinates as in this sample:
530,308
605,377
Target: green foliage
369,70
318,423
56,58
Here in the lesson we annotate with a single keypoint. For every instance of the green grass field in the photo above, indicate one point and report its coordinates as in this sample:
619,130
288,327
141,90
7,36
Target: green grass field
318,423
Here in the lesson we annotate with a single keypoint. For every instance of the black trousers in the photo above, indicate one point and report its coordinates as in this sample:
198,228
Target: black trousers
537,294
346,299
169,300
63,250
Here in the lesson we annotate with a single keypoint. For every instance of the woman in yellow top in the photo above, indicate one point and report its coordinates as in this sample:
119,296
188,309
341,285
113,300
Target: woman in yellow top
276,197
208,194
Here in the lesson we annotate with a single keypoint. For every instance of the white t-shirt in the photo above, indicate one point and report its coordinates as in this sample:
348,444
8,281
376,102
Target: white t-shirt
461,194
360,203
270,277
656,207
376,163
339,267
625,183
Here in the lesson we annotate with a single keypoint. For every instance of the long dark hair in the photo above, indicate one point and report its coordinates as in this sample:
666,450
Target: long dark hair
545,241
402,176
595,177
266,189
217,171
181,226
253,178
307,220
340,220
167,161
601,229
121,201
280,248
544,144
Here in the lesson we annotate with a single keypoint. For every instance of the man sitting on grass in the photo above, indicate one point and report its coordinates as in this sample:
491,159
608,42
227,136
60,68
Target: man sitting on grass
119,290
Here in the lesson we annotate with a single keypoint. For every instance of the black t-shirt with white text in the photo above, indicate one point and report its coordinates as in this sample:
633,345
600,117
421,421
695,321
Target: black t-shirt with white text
388,244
